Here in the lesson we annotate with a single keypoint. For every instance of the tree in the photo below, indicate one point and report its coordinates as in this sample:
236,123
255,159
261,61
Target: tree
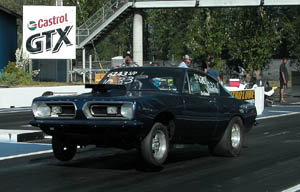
253,36
168,32
290,29
207,35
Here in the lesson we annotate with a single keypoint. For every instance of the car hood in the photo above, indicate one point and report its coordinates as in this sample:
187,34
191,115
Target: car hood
108,95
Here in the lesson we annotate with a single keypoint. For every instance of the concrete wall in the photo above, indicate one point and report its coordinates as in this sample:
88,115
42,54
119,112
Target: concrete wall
22,97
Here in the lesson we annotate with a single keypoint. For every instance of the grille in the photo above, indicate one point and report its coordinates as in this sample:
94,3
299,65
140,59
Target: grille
68,110
101,110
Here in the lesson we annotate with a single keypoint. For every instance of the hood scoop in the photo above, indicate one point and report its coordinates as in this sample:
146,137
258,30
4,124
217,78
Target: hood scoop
107,89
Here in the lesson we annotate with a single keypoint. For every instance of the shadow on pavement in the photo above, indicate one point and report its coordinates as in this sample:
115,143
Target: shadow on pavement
127,160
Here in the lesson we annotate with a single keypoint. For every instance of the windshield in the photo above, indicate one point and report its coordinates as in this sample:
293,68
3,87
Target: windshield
161,79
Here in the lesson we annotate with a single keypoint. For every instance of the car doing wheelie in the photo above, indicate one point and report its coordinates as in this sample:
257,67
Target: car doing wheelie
147,108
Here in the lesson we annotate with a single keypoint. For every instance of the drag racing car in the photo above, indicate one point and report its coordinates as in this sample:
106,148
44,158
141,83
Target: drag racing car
147,108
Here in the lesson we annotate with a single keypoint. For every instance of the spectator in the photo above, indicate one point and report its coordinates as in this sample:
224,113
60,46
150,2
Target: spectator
185,62
283,78
127,60
213,71
155,64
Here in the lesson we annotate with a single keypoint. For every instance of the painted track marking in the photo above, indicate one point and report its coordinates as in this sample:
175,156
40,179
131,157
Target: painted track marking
11,150
281,115
25,155
293,189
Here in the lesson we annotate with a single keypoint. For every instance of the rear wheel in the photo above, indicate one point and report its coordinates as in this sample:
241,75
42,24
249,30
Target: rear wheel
62,150
155,146
231,143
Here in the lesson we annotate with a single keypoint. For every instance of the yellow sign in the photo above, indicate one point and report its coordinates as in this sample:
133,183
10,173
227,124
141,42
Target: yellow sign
98,77
243,95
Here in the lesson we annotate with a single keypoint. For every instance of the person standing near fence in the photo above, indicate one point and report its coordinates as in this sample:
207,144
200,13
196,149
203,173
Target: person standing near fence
283,78
128,61
185,62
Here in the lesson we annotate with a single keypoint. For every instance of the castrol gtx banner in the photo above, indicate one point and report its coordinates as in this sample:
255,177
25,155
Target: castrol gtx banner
49,32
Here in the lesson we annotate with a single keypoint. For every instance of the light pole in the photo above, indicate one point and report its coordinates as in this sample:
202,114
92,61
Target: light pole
59,2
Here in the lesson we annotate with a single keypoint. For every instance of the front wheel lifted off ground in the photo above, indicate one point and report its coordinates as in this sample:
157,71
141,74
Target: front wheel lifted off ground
62,150
231,143
155,146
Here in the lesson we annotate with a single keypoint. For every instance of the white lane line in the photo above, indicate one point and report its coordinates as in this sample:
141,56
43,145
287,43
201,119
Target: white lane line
25,143
280,111
278,134
26,126
25,155
296,103
292,189
281,115
14,111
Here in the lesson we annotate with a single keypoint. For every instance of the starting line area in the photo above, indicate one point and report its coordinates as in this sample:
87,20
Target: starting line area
10,147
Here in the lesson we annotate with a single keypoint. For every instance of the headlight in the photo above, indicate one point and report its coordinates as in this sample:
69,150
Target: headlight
41,109
127,110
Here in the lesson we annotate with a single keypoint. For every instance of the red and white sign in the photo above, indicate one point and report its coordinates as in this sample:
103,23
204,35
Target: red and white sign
49,32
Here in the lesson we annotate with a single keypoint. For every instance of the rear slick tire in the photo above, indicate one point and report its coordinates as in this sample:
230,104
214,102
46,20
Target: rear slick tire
232,141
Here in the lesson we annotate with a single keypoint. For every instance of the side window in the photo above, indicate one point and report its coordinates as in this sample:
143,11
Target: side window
164,83
194,85
213,87
198,84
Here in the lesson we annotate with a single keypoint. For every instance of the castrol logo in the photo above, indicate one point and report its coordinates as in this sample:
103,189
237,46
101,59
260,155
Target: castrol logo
42,23
49,32
32,25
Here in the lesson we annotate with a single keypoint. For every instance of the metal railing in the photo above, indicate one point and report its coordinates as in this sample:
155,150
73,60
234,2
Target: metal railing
99,18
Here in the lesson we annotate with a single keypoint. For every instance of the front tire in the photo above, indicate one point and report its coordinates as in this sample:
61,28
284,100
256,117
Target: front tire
62,150
231,143
155,146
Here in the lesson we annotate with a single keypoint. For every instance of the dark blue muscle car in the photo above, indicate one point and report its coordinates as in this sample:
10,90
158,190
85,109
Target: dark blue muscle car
147,108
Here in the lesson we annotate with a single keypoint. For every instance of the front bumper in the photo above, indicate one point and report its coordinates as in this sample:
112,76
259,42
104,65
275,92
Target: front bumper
92,130
85,123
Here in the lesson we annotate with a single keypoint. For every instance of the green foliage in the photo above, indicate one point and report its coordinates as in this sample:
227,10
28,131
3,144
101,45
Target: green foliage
253,41
11,68
248,35
207,35
168,35
117,42
85,8
290,29
12,75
